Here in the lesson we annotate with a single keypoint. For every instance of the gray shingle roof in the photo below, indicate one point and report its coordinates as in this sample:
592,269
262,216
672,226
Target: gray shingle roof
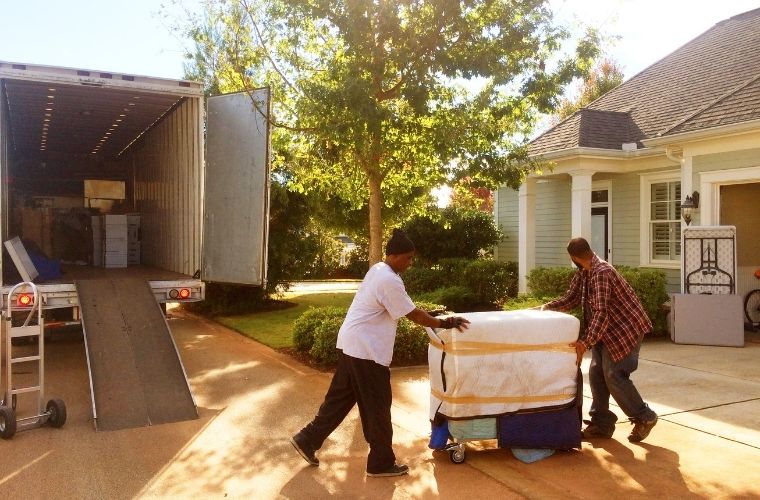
712,80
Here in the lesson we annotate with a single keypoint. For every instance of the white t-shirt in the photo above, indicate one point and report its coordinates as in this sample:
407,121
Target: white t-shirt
369,330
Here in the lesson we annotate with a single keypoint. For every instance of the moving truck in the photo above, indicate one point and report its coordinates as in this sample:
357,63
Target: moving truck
194,171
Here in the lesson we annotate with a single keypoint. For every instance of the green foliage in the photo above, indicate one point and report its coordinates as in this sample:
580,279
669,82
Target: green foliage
357,263
650,288
648,284
370,98
316,332
306,324
550,281
463,284
491,282
456,298
325,336
453,232
418,279
604,77
524,301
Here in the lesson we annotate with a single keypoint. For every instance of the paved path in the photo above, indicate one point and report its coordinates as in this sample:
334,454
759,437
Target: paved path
251,399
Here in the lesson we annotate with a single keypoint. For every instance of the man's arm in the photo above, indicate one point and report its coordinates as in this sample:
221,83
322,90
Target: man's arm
422,318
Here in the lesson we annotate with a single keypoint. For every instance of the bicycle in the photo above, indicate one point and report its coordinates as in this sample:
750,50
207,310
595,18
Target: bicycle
752,306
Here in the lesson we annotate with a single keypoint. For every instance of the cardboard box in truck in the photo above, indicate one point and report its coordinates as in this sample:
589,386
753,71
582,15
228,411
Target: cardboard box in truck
195,170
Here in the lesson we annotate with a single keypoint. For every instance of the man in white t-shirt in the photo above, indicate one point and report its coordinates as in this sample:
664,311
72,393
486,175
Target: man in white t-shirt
365,344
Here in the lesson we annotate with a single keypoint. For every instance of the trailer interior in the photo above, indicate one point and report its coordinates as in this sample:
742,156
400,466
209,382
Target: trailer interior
78,150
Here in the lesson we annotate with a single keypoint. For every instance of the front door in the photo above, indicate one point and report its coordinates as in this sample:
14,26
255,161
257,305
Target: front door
600,221
599,233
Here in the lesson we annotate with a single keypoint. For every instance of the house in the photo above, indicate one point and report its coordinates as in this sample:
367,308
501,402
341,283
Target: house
688,125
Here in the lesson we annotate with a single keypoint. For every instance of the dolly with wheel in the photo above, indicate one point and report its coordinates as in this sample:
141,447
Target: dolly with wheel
26,297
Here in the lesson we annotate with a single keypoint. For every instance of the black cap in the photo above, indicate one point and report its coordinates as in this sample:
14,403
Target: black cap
399,243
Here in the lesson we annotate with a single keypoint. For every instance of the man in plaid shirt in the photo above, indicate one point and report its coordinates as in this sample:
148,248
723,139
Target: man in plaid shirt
615,324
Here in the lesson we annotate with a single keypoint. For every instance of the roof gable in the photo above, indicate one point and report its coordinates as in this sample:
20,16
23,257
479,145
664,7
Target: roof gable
710,80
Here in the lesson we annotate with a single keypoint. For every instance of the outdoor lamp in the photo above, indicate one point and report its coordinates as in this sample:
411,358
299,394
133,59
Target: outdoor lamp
688,206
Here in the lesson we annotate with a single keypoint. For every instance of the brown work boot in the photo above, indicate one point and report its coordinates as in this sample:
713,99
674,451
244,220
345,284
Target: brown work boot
594,431
641,429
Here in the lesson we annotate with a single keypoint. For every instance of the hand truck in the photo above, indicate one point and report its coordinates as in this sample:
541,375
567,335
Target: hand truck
26,297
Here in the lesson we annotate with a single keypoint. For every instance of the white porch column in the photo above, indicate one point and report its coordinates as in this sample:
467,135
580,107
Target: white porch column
526,232
580,209
687,187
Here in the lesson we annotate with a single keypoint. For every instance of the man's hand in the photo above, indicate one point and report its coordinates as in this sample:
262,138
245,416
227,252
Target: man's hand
580,349
454,322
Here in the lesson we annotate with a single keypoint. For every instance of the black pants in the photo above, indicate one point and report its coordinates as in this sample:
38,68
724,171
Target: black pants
368,384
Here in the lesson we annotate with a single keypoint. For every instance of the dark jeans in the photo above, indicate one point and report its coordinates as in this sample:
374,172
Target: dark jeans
368,384
608,378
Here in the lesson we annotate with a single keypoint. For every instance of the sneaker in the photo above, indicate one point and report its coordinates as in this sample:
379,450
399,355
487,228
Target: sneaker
393,470
304,449
594,431
641,429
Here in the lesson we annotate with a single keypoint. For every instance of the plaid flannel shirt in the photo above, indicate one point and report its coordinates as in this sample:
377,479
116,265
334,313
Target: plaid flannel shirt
612,312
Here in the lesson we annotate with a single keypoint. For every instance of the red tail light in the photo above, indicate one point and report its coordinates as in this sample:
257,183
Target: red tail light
25,300
182,293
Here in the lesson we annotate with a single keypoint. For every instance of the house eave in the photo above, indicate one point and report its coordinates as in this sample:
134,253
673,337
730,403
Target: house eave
581,152
708,133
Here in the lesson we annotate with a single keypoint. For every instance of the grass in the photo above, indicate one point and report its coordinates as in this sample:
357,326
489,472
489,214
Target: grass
275,328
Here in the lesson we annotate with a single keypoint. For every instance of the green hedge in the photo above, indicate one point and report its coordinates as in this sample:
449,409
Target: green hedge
316,331
547,283
463,284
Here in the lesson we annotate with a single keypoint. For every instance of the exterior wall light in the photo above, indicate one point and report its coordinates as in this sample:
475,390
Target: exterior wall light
689,206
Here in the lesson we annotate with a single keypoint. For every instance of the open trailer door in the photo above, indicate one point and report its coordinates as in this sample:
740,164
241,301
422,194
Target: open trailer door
236,206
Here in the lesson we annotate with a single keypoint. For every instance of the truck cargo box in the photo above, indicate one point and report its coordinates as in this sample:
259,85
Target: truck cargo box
200,187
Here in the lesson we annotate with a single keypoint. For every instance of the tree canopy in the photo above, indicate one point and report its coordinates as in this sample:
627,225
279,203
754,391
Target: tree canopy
377,101
605,76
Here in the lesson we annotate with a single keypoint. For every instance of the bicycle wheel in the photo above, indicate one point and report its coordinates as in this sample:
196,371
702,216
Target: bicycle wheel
752,306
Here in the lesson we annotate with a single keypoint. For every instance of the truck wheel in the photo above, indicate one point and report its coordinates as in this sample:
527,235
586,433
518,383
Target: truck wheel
57,410
7,422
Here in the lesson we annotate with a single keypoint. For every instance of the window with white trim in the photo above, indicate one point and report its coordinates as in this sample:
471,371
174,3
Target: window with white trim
661,219
665,221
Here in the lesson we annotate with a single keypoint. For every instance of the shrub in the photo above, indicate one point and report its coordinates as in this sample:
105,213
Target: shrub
316,332
550,281
648,284
523,301
306,324
455,298
491,282
453,232
357,260
419,279
650,288
453,266
325,335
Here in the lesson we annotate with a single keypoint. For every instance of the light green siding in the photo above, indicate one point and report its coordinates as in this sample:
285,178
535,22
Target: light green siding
626,212
553,222
507,217
724,161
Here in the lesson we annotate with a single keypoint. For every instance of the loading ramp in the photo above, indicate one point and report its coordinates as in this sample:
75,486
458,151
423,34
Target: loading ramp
136,376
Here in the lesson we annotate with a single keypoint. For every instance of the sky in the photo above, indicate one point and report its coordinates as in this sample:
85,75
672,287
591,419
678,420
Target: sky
132,37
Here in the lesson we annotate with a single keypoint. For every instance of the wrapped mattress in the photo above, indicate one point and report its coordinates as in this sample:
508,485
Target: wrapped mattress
507,361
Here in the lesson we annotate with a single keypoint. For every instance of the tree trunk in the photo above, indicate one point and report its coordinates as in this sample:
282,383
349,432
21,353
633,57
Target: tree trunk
375,218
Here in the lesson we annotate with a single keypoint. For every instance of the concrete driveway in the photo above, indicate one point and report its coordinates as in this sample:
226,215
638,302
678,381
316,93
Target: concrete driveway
251,399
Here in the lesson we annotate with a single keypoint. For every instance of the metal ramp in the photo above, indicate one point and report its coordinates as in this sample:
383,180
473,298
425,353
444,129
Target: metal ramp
136,376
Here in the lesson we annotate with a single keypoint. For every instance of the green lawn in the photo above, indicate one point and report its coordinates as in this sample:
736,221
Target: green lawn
275,328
